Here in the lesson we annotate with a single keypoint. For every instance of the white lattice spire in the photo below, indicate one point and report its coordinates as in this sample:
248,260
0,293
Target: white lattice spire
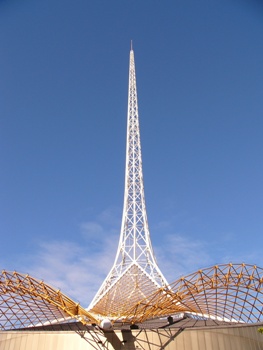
135,273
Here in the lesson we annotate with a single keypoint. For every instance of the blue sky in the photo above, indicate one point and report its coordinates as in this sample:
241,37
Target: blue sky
63,105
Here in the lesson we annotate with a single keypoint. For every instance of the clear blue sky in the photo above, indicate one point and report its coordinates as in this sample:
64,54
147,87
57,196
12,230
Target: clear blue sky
63,104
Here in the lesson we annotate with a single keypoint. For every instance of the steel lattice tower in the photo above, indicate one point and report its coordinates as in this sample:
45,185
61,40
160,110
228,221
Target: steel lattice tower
135,272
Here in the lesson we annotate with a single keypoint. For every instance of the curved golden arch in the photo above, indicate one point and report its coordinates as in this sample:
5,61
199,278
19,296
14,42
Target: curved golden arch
27,302
238,302
234,314
232,292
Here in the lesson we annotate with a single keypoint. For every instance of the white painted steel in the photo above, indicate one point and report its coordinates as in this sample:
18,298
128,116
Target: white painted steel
135,248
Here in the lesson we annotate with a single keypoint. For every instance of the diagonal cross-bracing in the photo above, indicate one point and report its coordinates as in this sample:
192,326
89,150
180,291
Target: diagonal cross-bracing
135,273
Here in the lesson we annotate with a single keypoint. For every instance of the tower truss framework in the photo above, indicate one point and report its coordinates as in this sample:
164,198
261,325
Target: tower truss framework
135,271
135,290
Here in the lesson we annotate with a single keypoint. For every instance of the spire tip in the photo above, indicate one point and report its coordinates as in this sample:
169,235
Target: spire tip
131,45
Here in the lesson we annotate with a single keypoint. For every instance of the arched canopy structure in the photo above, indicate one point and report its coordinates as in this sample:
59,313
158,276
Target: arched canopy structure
230,292
27,302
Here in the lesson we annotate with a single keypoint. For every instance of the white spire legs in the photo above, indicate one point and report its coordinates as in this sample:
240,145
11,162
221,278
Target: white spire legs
135,273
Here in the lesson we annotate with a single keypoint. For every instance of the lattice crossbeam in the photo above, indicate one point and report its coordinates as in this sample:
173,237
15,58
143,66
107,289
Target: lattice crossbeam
27,302
231,292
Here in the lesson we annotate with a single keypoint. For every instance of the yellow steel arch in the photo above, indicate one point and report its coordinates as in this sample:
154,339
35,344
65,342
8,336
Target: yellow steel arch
230,292
28,302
